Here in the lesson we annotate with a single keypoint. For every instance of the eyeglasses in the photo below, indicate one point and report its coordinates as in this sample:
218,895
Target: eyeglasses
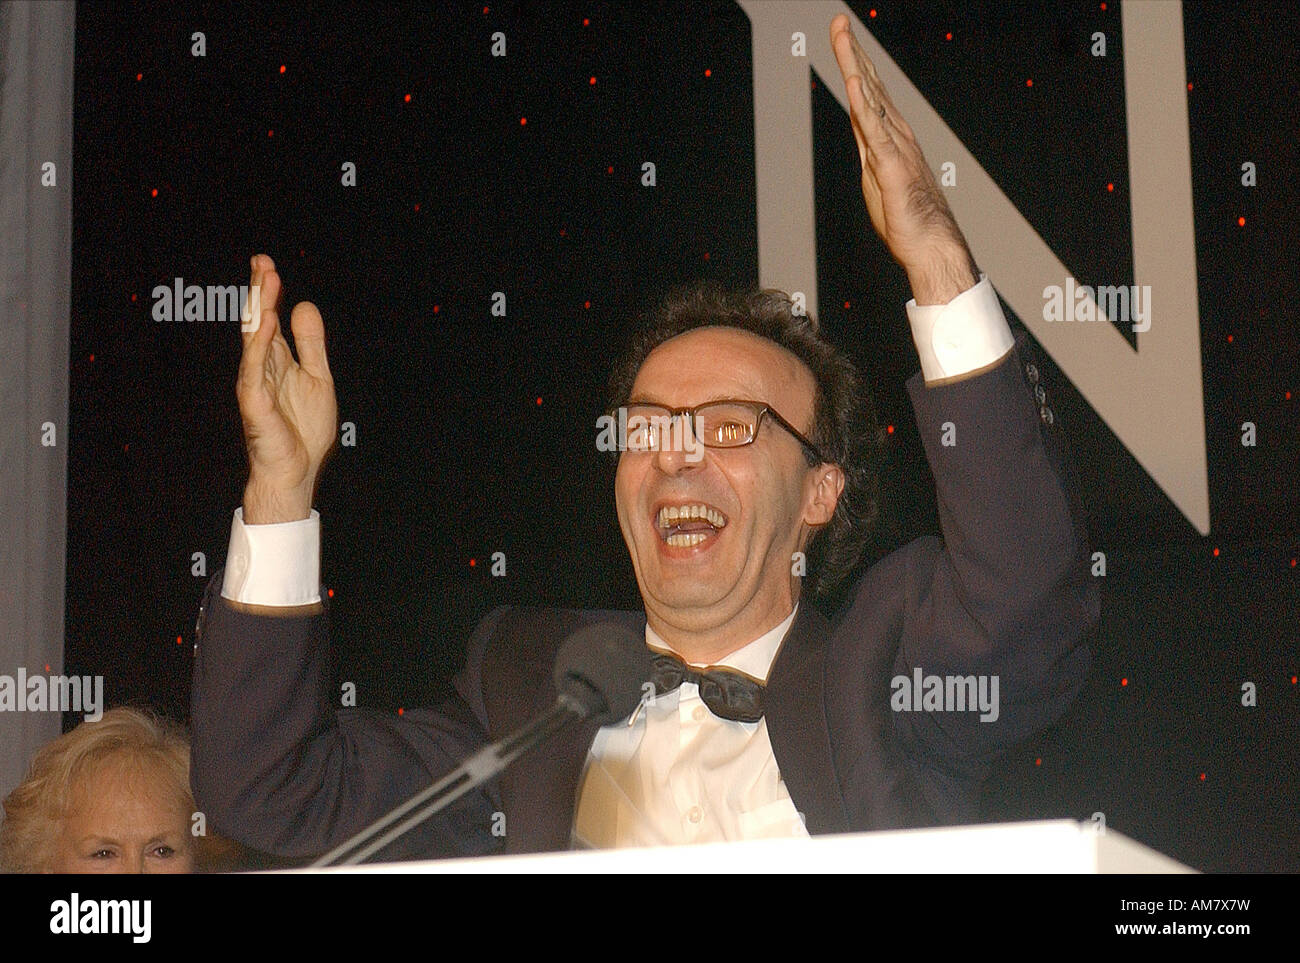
716,424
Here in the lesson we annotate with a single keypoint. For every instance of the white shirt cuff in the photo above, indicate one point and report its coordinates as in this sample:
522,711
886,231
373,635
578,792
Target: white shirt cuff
967,333
276,564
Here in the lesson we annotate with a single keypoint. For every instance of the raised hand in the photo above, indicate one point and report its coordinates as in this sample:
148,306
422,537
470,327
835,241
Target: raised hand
288,407
907,207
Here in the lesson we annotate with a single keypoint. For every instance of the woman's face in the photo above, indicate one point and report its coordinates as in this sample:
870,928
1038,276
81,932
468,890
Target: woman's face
125,819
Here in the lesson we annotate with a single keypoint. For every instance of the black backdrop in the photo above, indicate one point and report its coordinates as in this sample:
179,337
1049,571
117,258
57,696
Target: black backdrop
456,456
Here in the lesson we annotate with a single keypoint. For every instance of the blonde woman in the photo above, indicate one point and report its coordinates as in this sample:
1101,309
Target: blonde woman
111,796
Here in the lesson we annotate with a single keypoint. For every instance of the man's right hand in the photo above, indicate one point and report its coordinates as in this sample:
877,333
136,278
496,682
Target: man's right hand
288,407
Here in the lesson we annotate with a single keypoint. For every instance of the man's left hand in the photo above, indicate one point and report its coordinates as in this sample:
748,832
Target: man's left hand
908,210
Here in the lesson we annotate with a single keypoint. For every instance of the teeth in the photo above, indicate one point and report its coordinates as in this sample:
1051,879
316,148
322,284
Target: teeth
679,513
686,541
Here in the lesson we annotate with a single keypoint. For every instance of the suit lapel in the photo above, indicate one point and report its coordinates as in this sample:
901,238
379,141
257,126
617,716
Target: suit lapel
795,709
539,791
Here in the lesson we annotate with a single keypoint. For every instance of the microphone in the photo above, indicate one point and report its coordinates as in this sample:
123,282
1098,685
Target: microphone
599,673
601,669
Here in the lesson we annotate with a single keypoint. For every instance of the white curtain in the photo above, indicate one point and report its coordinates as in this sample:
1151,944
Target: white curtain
36,47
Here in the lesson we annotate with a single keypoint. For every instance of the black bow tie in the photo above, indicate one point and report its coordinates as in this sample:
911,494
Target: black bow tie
729,693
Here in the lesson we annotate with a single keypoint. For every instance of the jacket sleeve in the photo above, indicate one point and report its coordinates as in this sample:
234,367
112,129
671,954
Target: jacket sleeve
1005,599
278,765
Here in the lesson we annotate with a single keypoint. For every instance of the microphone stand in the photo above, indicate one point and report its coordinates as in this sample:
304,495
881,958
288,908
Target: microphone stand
473,772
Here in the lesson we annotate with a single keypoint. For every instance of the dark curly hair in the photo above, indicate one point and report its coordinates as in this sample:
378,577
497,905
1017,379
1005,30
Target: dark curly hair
845,428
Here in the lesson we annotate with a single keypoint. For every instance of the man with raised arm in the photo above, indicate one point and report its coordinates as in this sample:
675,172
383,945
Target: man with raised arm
767,720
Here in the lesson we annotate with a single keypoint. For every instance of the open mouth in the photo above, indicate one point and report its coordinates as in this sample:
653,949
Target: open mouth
684,526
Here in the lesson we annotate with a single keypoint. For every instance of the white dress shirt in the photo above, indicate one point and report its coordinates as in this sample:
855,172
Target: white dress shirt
677,773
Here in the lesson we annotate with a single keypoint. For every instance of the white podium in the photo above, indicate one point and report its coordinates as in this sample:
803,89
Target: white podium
1059,846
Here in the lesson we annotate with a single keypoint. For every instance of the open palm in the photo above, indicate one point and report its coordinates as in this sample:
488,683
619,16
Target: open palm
288,407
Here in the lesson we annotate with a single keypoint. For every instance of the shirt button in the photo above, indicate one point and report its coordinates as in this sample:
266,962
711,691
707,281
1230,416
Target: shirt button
1046,414
698,714
1031,372
695,814
1041,394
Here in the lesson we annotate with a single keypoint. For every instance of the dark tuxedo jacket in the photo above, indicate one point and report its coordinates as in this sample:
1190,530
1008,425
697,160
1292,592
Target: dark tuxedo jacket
1006,592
